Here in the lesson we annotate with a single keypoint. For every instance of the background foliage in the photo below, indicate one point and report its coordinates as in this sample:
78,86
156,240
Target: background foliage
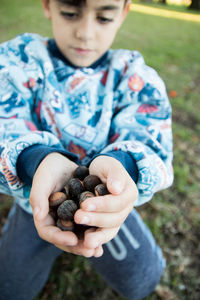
171,46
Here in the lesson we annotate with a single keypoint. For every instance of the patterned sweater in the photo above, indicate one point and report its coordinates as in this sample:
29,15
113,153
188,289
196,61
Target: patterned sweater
118,104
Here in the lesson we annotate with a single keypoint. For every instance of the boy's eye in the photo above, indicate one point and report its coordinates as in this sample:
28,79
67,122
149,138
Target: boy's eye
104,20
69,15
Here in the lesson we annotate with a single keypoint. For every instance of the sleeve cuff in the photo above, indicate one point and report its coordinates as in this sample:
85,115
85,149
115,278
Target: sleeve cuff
30,158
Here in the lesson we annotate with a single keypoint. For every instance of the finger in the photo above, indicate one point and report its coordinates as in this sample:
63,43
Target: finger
39,195
52,234
39,202
111,171
115,182
49,177
102,219
109,203
78,250
98,251
100,237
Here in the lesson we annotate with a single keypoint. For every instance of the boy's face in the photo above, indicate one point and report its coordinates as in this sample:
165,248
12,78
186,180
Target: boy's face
84,33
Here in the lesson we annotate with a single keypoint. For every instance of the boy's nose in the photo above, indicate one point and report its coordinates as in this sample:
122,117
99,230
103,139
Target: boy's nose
85,30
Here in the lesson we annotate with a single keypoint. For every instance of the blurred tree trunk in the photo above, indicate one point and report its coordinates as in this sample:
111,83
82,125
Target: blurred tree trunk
162,1
195,4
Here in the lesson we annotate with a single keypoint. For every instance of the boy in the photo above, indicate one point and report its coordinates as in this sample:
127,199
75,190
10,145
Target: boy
70,101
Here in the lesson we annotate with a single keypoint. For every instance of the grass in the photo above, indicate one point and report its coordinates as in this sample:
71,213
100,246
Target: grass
172,47
168,12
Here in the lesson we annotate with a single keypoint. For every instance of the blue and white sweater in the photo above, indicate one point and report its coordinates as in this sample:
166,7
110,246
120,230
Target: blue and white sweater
118,105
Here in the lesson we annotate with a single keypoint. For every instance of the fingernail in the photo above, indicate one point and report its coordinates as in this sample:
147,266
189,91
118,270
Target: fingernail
91,207
96,244
85,220
117,186
99,252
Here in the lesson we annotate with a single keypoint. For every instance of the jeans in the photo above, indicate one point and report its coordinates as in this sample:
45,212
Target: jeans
132,263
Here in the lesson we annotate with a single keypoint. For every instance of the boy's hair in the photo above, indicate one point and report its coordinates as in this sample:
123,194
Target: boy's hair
79,2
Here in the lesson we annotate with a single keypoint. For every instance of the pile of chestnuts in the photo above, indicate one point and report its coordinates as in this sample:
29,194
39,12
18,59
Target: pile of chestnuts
64,204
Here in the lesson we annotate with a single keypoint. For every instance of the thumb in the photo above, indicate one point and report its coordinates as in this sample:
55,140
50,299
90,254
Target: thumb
39,202
116,180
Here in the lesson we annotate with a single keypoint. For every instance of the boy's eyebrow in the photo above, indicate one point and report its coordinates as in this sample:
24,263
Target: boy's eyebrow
67,2
108,7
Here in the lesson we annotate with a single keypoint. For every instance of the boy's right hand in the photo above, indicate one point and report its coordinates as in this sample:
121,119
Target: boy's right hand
51,175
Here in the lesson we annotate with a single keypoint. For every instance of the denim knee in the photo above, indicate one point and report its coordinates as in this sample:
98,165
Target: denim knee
140,286
144,272
134,277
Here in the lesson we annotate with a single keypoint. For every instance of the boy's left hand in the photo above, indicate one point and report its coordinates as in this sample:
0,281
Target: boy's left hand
107,212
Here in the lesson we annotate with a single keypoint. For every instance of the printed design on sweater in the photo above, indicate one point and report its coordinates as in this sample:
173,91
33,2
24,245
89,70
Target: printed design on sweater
119,104
135,83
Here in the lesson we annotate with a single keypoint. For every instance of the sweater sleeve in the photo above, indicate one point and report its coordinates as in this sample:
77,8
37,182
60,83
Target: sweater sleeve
21,77
141,126
30,158
27,167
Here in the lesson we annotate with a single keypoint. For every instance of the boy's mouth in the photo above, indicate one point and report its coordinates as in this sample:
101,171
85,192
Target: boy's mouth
82,51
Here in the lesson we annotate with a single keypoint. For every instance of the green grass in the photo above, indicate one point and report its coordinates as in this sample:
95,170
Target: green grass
171,47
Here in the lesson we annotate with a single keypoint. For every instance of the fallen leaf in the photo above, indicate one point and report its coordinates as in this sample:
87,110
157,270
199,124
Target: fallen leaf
173,94
165,293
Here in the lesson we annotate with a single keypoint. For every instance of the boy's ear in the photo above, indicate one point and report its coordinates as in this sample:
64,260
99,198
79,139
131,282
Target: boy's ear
126,10
46,8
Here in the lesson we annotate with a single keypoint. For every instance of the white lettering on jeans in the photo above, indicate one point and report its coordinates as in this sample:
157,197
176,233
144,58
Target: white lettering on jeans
119,254
117,248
